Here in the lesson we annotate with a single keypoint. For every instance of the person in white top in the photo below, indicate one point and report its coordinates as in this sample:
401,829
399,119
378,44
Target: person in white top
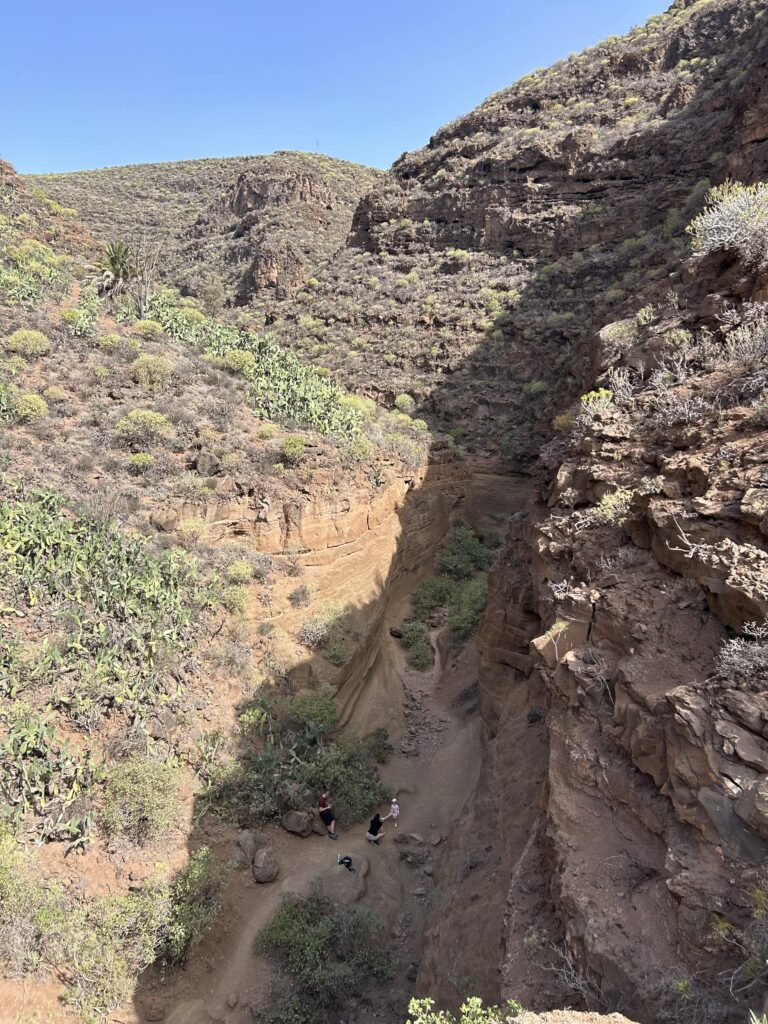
394,811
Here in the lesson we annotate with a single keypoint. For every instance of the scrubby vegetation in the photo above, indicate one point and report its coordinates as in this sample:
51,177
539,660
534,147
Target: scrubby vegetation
114,612
31,913
101,944
458,592
167,200
140,800
472,1011
292,748
329,952
735,217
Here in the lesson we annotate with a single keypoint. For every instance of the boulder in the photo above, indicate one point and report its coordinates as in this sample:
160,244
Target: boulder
247,844
298,822
164,519
265,867
207,464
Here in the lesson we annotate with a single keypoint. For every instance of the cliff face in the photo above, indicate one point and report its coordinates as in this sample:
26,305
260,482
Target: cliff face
640,844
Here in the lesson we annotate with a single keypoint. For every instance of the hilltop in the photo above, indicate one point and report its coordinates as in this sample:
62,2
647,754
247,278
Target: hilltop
235,224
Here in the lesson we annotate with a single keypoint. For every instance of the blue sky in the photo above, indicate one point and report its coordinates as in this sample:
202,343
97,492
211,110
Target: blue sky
94,83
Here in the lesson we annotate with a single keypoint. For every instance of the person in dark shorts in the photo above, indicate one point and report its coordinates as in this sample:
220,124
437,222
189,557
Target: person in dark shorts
375,831
327,816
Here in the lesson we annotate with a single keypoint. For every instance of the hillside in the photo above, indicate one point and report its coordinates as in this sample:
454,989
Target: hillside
472,481
229,227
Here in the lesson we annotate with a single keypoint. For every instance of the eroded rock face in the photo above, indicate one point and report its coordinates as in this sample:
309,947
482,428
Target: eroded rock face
651,821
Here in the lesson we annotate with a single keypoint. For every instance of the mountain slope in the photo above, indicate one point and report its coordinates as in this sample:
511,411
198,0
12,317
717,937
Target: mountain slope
255,222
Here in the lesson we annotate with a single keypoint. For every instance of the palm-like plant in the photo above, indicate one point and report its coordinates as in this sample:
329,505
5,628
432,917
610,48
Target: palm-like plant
118,267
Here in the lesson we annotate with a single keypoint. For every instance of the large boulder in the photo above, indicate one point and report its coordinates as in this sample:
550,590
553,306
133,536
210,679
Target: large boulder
265,867
298,822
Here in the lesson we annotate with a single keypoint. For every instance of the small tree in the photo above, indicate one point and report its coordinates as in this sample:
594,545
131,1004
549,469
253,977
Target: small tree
116,269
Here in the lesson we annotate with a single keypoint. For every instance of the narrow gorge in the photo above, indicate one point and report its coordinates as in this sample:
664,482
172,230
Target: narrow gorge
552,327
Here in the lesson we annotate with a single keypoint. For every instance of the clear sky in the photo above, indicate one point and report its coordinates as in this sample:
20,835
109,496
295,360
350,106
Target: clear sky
95,83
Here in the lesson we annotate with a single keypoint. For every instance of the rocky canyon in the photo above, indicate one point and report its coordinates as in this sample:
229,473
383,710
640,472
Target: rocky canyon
472,452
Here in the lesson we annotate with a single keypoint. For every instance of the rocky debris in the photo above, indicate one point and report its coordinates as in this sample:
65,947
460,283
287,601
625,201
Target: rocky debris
298,822
264,866
246,845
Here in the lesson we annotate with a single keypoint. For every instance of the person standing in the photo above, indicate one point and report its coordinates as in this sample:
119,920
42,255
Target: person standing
327,816
394,811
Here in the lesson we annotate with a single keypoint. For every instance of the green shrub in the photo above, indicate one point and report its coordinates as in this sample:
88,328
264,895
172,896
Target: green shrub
239,361
108,942
405,403
31,915
142,428
239,572
81,320
315,629
595,401
149,330
535,387
463,555
195,901
467,608
140,800
140,463
235,599
472,1011
109,342
330,952
28,407
292,745
416,642
431,594
28,344
56,394
293,448
153,373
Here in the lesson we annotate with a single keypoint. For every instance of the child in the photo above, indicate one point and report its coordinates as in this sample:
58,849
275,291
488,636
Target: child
394,811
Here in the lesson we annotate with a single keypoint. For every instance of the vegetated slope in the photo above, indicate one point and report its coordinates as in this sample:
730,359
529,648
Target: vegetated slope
236,225
486,259
159,481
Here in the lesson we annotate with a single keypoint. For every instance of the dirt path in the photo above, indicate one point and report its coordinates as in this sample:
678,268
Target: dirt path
433,773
